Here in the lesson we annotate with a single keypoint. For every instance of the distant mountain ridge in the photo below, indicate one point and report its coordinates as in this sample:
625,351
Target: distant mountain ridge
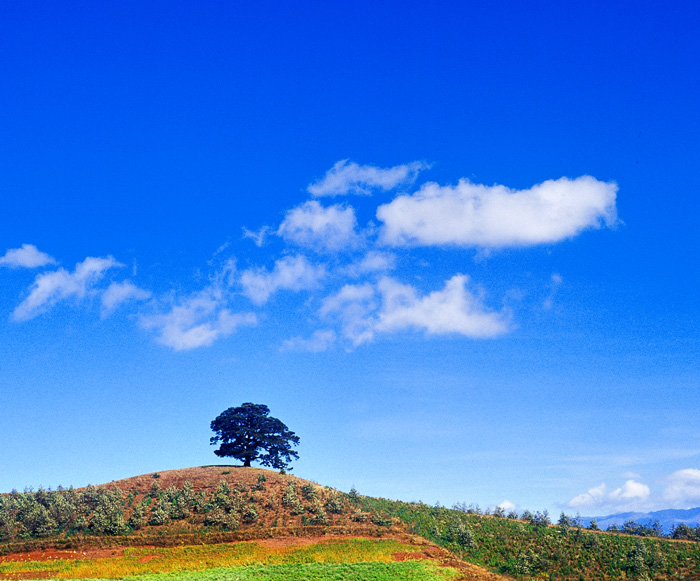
668,518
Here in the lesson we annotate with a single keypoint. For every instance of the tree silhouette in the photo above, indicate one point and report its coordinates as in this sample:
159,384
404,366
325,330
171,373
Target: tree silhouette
245,431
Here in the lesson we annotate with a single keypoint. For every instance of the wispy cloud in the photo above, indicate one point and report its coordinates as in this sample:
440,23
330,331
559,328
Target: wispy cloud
555,281
51,288
474,215
353,306
118,293
372,262
319,341
196,321
294,273
314,226
257,236
27,256
347,177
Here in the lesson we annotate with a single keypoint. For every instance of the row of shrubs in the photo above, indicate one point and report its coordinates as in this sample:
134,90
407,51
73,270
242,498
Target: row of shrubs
652,528
109,511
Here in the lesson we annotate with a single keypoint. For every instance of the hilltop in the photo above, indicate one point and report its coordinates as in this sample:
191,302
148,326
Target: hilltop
210,502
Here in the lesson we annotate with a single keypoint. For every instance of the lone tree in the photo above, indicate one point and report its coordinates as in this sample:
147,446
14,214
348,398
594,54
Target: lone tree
247,430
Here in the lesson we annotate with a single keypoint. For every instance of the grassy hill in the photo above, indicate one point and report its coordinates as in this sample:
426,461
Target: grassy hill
210,517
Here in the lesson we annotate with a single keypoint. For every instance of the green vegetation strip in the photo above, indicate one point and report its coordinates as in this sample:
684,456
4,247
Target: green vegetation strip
407,570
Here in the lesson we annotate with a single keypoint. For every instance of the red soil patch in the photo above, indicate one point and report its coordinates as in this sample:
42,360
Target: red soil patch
55,554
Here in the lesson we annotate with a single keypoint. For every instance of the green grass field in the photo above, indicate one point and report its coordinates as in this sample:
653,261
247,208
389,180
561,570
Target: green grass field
376,571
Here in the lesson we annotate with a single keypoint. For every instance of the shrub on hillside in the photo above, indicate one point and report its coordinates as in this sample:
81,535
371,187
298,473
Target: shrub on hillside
309,492
138,518
260,484
291,500
179,510
107,517
250,515
37,521
360,516
160,513
320,518
458,532
334,504
219,518
381,520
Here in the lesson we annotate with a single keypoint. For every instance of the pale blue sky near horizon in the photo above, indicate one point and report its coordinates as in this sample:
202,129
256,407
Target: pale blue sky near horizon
454,248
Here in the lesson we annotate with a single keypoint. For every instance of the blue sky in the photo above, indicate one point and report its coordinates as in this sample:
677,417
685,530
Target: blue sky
454,249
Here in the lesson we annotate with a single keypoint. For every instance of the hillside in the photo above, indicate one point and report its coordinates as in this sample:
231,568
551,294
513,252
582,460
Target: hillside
207,502
145,524
133,523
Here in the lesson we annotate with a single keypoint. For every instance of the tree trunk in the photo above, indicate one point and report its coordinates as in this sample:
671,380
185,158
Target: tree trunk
246,463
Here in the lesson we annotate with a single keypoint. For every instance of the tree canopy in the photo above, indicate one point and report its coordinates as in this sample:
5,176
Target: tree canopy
249,434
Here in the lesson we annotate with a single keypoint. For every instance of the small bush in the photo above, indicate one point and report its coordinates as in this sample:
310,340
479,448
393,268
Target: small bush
250,515
381,521
291,500
334,505
159,516
460,533
138,518
309,492
320,518
360,516
260,484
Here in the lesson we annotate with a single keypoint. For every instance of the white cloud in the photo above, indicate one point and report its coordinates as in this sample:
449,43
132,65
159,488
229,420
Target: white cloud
53,287
293,273
347,177
353,306
496,216
28,256
683,487
451,310
314,226
121,292
320,341
196,321
632,495
507,505
373,261
364,310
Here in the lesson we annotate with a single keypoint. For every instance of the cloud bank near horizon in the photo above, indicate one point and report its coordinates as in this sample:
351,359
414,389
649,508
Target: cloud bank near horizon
680,489
339,268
